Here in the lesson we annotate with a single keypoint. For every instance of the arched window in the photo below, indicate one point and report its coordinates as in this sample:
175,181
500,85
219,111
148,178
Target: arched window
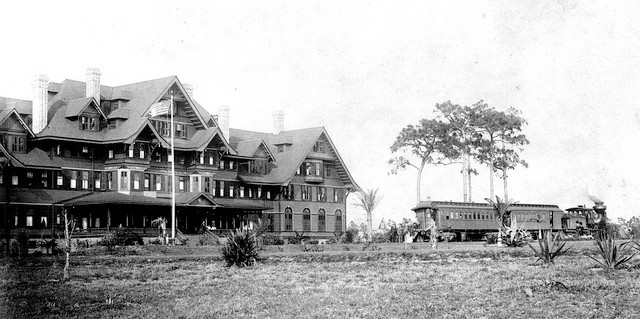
322,224
288,219
306,219
338,220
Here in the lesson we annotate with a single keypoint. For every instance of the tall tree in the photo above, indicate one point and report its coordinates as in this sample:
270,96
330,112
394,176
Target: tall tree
368,200
505,160
426,143
498,130
463,122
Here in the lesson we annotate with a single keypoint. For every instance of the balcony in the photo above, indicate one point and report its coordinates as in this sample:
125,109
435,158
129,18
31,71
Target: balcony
313,179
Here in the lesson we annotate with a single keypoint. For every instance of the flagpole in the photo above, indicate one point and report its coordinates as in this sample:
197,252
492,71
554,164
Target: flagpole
173,180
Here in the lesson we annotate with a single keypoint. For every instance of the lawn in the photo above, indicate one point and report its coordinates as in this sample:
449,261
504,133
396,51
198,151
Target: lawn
454,281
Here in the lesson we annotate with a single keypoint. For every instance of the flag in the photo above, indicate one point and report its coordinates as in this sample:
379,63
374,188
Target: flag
159,108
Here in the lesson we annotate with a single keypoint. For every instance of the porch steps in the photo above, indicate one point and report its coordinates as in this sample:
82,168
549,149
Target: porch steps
181,238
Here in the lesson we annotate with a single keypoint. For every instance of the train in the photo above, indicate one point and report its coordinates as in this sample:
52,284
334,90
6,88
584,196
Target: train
462,221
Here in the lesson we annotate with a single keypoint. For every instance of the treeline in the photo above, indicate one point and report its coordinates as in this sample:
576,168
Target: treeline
463,135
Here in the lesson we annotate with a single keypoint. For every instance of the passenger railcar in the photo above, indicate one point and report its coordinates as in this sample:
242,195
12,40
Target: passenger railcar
472,221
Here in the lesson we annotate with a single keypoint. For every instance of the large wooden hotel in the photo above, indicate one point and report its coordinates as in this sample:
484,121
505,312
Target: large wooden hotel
103,154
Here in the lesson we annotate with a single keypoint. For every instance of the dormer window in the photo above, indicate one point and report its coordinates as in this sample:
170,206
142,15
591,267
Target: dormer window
88,123
181,131
319,147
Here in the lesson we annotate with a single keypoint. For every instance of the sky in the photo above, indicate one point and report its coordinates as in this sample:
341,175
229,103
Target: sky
366,69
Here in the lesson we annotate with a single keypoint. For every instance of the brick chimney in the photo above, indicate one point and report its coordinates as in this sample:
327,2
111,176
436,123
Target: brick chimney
93,84
223,120
278,121
39,106
188,89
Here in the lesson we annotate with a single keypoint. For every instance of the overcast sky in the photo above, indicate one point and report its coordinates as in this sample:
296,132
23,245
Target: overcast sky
366,69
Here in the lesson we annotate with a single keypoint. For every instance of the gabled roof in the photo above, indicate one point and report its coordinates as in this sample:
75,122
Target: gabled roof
251,148
6,156
287,163
22,106
77,106
7,112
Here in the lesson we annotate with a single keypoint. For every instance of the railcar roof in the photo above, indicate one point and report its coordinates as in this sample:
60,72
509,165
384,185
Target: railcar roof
459,205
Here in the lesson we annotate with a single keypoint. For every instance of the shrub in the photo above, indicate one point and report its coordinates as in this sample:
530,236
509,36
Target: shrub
550,248
23,243
270,239
313,242
121,238
613,256
241,249
514,237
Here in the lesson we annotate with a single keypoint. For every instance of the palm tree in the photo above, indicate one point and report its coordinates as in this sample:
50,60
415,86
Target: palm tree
368,200
502,214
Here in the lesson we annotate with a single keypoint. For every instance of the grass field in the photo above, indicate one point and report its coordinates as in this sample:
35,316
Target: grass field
454,281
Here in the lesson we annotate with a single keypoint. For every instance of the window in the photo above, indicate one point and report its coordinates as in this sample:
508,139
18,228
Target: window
306,192
141,150
211,160
195,183
338,195
60,180
97,180
88,123
124,180
147,182
136,181
74,177
29,221
181,131
231,193
58,149
110,153
231,165
318,169
307,168
14,180
280,148
18,145
44,178
338,220
202,158
158,182
85,180
131,148
322,194
221,189
322,220
241,191
327,170
319,147
207,185
306,219
259,191
221,166
181,182
268,194
288,219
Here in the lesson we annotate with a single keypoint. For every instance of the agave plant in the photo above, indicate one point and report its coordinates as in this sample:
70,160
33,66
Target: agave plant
613,256
550,248
241,249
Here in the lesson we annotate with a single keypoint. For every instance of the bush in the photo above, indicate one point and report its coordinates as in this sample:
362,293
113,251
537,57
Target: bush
270,239
241,249
121,238
23,243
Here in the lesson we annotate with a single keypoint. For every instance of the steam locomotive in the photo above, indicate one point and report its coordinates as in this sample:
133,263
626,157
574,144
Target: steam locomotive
472,221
